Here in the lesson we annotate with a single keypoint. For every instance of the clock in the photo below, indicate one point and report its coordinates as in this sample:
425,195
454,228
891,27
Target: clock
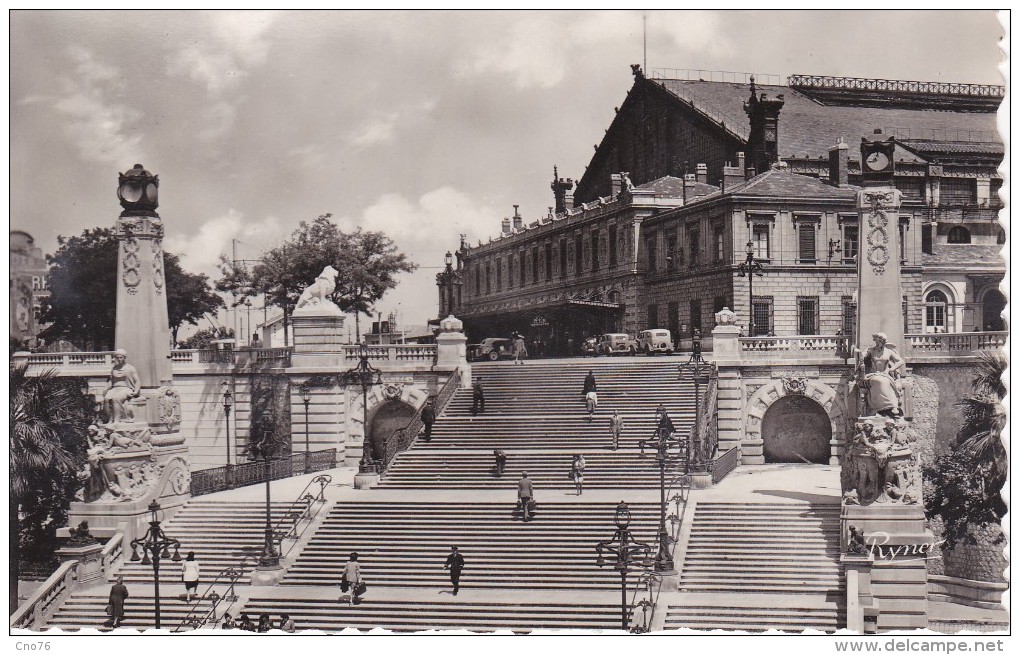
877,161
138,191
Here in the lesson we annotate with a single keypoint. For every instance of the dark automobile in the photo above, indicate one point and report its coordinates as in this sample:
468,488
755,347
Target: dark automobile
490,349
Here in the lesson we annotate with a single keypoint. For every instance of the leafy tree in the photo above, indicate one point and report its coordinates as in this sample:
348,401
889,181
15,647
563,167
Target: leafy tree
367,264
49,419
963,485
202,340
82,306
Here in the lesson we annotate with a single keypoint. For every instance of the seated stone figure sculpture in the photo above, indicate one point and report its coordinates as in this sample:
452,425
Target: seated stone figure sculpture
879,374
124,385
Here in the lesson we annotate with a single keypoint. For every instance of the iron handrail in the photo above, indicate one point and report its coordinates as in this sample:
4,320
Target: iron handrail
309,501
651,583
233,574
399,441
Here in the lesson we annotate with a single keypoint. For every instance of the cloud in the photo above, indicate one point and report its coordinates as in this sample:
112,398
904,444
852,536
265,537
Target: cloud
97,123
200,252
383,127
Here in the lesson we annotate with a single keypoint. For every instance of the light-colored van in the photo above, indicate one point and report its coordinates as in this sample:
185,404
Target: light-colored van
655,341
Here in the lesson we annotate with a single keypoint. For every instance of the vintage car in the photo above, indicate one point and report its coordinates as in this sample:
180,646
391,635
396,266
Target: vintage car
616,343
655,341
491,349
590,347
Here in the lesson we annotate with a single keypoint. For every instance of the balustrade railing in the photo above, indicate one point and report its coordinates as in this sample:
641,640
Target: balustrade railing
956,341
221,478
393,352
103,361
794,344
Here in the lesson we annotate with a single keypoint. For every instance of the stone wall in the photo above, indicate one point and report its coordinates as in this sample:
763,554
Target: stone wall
954,382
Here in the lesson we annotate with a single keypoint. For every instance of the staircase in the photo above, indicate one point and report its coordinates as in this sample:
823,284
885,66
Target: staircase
761,566
87,609
222,534
404,544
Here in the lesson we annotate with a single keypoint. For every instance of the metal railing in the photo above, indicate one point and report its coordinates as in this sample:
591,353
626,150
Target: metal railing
649,585
908,86
221,478
229,576
700,75
721,466
704,433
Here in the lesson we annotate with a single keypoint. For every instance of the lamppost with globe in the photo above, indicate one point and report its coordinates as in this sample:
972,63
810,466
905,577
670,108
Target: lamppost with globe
366,375
306,398
155,545
627,550
228,404
749,268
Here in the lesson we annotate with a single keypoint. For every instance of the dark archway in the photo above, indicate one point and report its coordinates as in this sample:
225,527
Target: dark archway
796,429
991,311
391,415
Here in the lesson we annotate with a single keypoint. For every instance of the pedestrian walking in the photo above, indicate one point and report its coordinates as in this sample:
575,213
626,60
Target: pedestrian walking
525,495
455,564
663,425
577,473
591,398
115,608
519,349
477,398
190,575
500,462
616,427
428,417
352,579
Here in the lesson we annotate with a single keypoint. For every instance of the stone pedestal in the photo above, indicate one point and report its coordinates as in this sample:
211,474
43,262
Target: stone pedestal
366,480
880,295
451,349
726,343
701,480
90,562
318,336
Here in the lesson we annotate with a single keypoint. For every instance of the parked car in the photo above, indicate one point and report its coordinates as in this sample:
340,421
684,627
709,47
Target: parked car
590,347
490,349
655,341
617,343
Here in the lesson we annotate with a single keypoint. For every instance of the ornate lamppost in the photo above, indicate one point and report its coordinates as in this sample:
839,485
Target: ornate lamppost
228,404
155,545
697,367
627,551
749,268
665,441
306,398
269,559
365,375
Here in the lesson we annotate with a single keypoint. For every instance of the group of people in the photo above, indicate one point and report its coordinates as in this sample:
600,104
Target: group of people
264,624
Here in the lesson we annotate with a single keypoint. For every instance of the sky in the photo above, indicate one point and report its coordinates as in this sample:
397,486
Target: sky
423,125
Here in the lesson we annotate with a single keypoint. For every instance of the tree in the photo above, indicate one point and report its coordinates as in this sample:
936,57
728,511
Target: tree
964,484
49,419
367,264
202,340
82,306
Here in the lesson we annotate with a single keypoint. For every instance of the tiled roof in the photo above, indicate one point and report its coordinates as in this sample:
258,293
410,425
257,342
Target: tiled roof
955,147
807,128
965,255
674,187
784,184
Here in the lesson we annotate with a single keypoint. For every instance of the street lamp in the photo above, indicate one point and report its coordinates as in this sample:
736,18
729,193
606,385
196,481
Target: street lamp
448,259
269,559
366,375
306,397
665,440
749,268
155,545
627,550
228,403
697,366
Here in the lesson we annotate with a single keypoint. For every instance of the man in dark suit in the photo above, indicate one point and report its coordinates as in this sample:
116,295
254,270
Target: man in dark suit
118,594
428,417
477,397
455,563
525,494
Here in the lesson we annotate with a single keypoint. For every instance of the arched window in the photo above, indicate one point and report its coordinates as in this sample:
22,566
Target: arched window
935,311
1000,236
959,235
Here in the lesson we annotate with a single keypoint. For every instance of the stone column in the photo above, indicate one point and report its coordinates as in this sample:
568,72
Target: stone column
726,337
451,349
318,335
878,266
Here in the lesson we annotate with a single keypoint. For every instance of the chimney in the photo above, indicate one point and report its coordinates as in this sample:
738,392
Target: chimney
839,162
518,219
616,184
506,226
734,175
690,177
702,175
562,191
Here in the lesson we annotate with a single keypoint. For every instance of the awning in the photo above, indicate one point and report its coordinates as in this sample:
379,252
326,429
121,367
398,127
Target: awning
593,303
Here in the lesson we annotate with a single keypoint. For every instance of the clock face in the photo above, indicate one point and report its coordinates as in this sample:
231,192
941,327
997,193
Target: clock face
131,191
877,161
151,192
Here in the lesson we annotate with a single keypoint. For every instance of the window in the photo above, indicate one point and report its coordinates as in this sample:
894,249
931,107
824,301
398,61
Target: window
499,274
534,265
762,308
510,271
849,323
521,268
806,243
671,262
548,262
926,239
851,241
577,255
760,239
594,250
936,311
720,243
563,258
674,319
958,234
694,243
807,315
957,191
903,241
478,279
911,187
650,247
612,246
488,277
695,315
653,316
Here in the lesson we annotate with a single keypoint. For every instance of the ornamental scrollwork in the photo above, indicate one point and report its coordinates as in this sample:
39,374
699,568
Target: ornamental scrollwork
157,266
130,264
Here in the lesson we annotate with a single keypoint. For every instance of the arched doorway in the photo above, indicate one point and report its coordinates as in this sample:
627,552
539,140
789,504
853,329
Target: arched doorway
991,311
796,429
391,415
936,312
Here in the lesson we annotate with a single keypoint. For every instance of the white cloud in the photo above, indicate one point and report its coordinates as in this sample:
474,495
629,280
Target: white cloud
200,252
97,123
382,127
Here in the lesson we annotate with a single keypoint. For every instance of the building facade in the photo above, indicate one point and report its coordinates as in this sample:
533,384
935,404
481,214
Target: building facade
28,275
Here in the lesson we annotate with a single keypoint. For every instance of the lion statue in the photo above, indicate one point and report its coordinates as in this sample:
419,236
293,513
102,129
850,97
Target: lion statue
320,290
